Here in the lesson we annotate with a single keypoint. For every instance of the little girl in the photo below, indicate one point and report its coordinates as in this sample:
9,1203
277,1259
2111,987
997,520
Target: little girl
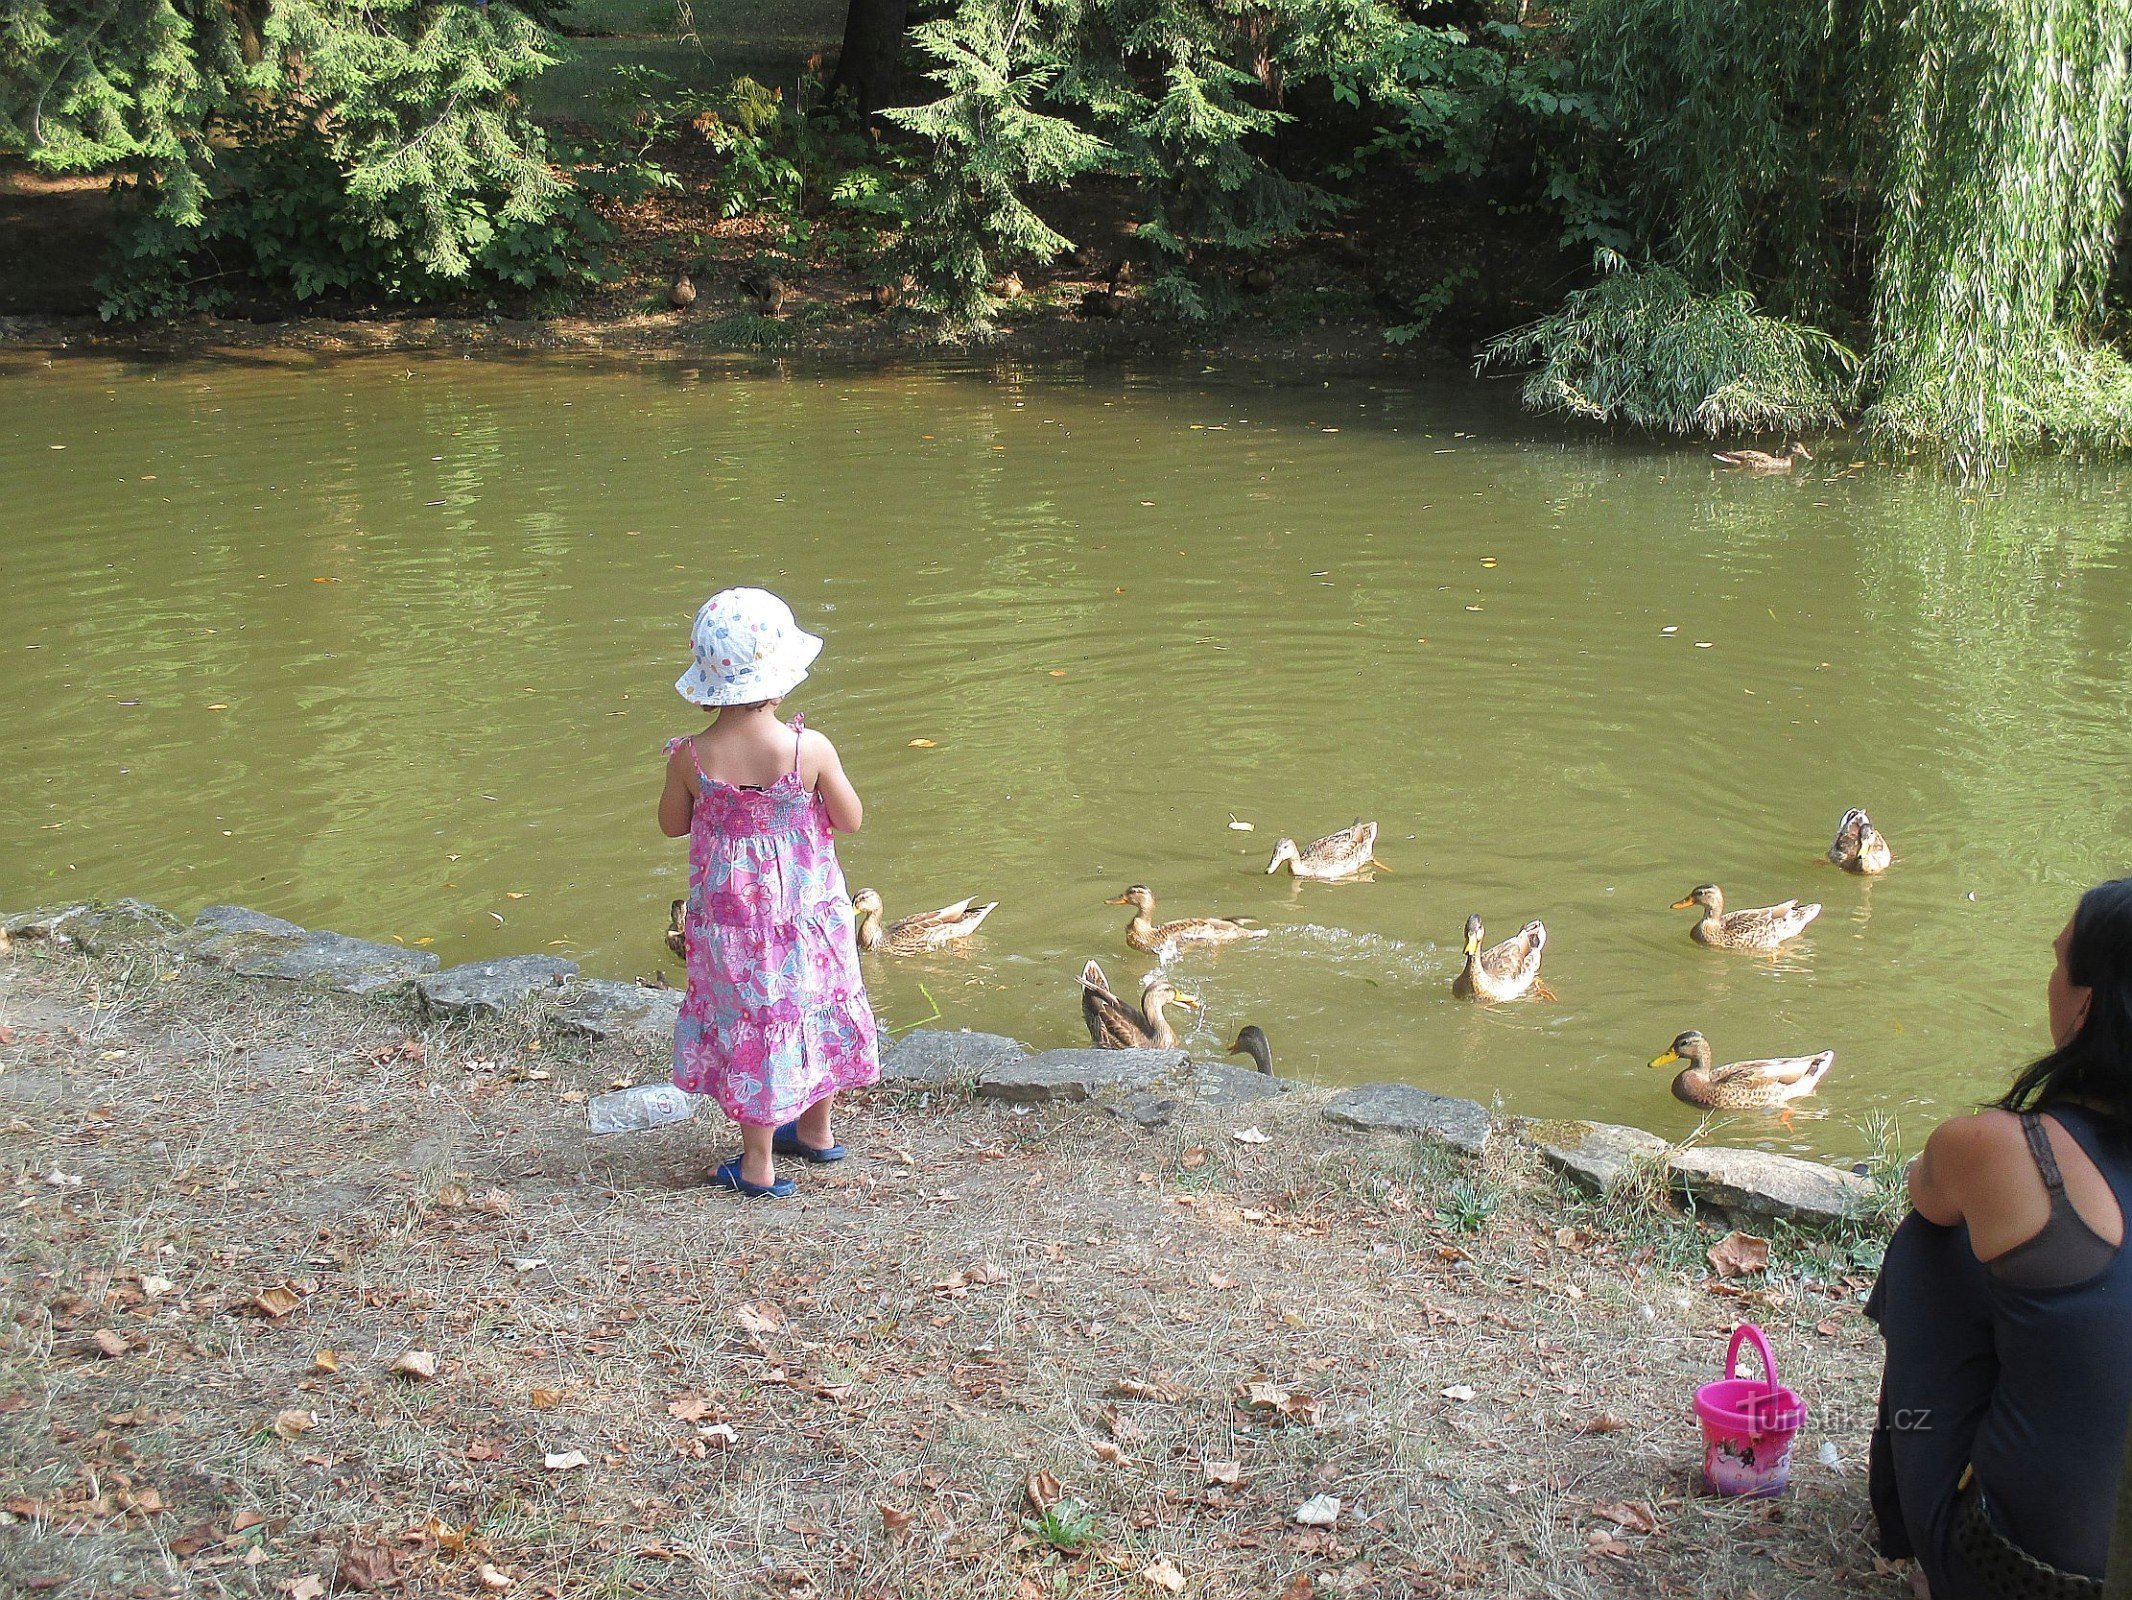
775,1021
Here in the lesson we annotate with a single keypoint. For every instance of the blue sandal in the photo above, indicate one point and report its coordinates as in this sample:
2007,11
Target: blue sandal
786,1142
728,1177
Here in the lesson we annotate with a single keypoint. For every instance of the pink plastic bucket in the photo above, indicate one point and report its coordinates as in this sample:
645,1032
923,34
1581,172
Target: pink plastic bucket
1748,1423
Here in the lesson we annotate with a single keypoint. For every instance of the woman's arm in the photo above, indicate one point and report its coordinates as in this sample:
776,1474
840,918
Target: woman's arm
839,798
677,802
1974,1168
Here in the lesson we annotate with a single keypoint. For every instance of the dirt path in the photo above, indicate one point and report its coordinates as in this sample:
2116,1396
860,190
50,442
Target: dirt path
236,1206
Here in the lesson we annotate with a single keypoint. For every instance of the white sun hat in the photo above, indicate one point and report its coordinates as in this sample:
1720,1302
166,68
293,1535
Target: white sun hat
748,649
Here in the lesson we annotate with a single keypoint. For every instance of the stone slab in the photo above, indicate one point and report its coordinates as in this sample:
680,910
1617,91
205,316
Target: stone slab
1066,1075
602,1008
1204,1087
244,920
1761,1183
1594,1155
938,1055
476,987
1402,1108
330,960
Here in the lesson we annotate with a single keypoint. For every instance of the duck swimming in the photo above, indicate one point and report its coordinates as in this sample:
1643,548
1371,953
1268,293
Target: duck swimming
1742,1085
1337,855
1145,934
1859,846
1509,971
924,930
1251,1041
1115,1025
1762,928
677,929
1763,461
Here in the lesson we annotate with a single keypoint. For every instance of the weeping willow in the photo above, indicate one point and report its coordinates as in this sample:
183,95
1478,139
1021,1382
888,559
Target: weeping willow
1941,180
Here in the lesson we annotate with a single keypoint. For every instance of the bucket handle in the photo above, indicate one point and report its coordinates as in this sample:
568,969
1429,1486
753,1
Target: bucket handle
1748,1333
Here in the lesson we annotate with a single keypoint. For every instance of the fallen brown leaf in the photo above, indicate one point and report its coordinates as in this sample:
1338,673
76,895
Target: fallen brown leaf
1042,1489
493,1578
107,1342
1163,1574
420,1365
1226,1473
759,1318
277,1300
366,1566
1604,1422
294,1424
542,1399
1634,1515
894,1521
308,1587
326,1361
1739,1253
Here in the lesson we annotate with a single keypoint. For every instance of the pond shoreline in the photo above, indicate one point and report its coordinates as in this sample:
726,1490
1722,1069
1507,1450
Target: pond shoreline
335,1286
1044,333
1152,1088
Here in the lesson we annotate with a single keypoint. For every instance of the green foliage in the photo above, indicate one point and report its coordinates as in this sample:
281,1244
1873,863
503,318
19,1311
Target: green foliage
394,123
1642,347
1466,1205
989,142
1068,1525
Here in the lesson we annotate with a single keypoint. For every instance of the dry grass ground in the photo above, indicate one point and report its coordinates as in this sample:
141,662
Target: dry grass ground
236,1206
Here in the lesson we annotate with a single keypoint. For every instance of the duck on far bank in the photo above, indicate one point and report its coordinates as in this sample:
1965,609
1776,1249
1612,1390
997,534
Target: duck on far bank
1508,971
1115,1025
1763,461
1762,928
1143,933
1338,855
677,929
1767,1085
681,294
923,930
1859,846
1251,1041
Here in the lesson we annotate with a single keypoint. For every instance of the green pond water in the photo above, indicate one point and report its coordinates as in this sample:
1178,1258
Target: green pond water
386,645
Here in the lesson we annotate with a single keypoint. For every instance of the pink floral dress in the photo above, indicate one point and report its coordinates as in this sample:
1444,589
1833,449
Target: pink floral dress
775,1017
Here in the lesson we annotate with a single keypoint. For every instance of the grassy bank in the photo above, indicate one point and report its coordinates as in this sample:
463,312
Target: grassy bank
239,1205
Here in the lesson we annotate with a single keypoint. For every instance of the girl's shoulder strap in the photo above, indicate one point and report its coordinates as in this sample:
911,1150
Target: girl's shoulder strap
799,727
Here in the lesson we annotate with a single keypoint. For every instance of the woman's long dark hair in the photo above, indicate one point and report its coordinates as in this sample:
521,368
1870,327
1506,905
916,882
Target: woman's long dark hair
2094,1067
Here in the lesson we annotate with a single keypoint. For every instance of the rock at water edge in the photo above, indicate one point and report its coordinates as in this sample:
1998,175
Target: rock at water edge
1596,1155
492,986
1760,1183
1402,1108
934,1056
1078,1074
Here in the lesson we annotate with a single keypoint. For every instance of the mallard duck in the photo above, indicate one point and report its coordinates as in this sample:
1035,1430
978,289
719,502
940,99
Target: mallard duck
677,929
1009,287
927,930
1507,972
1337,855
681,294
1251,1041
1743,1085
766,290
1258,278
1859,846
1144,933
1107,301
1763,461
1114,1025
1763,928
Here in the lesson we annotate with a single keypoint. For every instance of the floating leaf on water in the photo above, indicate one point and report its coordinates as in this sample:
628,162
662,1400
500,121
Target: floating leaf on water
1487,561
1670,628
1236,826
920,744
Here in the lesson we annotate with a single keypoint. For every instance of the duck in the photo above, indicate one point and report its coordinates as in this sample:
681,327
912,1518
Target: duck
1859,846
1107,301
681,294
1742,1085
1258,278
1509,971
1008,287
677,929
926,930
1763,461
1762,928
766,290
1145,934
1337,855
1251,1041
1115,1025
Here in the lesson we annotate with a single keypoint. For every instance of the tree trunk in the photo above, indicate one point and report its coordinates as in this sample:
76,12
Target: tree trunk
873,49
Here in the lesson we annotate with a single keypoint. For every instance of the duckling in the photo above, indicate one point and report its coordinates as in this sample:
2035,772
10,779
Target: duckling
1115,1025
1859,846
1743,1085
1509,971
1144,933
657,980
682,293
1337,855
926,930
1763,928
1763,461
1251,1041
677,929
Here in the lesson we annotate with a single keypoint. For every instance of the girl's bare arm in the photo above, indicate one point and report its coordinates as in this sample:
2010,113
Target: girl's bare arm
839,798
677,802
